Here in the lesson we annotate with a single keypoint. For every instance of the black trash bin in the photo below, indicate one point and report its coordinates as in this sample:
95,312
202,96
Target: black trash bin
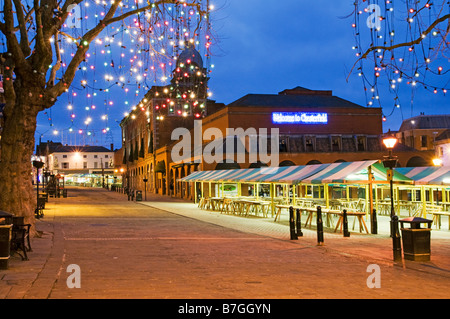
416,240
6,220
139,196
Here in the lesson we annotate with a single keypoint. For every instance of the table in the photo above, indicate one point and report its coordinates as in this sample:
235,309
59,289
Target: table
244,206
359,215
328,212
279,208
437,218
215,203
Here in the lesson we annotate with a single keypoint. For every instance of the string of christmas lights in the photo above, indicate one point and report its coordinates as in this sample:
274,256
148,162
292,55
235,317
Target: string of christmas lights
124,62
401,46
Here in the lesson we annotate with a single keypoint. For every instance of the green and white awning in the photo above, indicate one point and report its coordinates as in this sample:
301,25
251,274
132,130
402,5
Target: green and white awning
345,172
432,175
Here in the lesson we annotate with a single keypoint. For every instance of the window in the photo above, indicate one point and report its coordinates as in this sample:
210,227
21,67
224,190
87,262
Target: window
95,156
64,156
65,165
335,143
361,141
95,164
283,144
84,164
423,141
106,156
310,144
84,156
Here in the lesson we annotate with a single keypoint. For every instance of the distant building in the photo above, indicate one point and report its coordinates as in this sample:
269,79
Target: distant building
443,147
421,133
82,165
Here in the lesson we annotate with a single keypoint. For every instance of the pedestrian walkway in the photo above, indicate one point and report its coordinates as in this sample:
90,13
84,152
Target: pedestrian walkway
359,245
71,222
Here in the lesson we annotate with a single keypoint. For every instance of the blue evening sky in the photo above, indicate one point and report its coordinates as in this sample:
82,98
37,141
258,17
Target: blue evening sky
268,46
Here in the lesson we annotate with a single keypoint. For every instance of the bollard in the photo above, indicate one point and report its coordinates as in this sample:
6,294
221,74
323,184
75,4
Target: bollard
345,223
374,223
319,226
292,224
299,223
396,239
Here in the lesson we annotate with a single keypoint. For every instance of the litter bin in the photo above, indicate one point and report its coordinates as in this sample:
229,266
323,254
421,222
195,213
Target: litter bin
139,196
416,240
6,221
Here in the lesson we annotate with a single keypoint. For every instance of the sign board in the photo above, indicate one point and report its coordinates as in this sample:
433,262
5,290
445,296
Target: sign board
299,118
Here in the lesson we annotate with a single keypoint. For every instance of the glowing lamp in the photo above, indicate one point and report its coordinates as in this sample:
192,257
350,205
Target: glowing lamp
390,142
437,161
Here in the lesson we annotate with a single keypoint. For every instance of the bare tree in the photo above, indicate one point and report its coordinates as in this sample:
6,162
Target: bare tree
34,79
401,44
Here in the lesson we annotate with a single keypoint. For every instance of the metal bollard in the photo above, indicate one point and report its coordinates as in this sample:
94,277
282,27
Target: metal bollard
299,223
396,240
292,223
345,223
374,223
319,226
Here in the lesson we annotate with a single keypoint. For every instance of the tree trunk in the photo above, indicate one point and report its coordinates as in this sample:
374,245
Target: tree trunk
17,144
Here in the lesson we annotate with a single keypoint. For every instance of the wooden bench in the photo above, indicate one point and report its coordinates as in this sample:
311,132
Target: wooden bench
359,215
278,212
20,237
437,218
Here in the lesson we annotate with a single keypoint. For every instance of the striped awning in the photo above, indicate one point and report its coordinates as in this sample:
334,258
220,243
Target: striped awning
341,173
432,175
345,172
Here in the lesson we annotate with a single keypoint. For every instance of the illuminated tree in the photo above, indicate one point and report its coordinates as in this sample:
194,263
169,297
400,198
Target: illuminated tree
401,44
46,43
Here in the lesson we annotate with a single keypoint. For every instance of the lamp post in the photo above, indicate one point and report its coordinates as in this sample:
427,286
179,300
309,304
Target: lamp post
145,187
390,162
37,165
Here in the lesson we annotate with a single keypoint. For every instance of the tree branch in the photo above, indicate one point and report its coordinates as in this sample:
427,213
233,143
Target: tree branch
69,75
24,44
403,44
407,44
14,48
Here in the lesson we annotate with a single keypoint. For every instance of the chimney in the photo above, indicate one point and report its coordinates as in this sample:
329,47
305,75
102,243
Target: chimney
112,147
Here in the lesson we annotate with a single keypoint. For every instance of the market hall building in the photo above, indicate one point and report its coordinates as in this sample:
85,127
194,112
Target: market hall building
312,126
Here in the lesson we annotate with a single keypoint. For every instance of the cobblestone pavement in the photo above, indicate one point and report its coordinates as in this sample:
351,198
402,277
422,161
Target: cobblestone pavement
170,249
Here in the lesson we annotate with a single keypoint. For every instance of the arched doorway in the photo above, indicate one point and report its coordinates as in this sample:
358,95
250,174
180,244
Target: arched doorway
287,163
416,161
258,164
227,165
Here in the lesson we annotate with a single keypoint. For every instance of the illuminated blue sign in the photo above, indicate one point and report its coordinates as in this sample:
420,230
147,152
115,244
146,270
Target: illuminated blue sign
299,118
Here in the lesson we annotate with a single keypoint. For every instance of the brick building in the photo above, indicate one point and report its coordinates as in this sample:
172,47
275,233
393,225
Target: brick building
313,127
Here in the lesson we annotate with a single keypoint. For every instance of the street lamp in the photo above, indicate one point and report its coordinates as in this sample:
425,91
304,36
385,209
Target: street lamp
437,161
390,162
37,165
